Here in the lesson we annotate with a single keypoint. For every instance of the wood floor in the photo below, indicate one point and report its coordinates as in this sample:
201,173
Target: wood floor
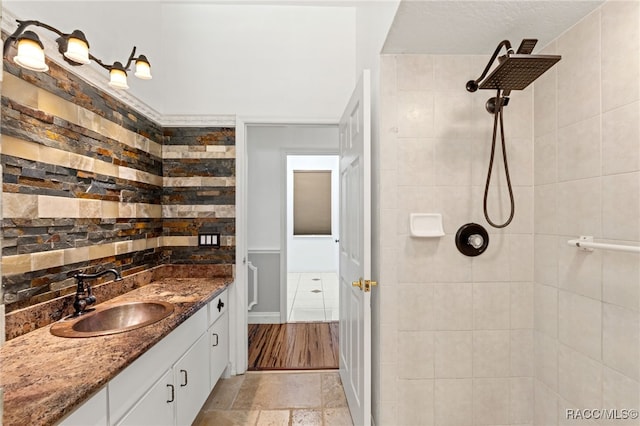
294,346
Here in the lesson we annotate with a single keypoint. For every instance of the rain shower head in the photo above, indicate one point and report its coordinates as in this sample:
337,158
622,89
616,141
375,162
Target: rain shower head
516,72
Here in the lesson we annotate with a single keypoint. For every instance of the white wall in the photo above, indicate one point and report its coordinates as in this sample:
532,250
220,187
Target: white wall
313,253
259,60
373,21
246,59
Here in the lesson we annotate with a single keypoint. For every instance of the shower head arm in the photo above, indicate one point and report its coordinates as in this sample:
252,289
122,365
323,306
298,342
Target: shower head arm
472,85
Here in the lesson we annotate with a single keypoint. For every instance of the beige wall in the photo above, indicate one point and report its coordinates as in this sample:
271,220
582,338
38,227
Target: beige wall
532,327
587,182
456,338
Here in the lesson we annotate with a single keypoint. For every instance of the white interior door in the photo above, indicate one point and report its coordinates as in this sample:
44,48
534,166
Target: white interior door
355,251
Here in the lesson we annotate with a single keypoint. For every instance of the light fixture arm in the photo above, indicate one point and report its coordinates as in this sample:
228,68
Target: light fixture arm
99,62
131,58
110,67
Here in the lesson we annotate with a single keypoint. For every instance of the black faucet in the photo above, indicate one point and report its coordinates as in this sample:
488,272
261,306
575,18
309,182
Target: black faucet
84,294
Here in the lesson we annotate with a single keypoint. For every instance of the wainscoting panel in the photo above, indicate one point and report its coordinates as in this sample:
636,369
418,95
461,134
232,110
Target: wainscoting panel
267,309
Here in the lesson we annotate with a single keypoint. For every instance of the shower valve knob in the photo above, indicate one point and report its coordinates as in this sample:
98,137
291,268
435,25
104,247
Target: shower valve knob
476,241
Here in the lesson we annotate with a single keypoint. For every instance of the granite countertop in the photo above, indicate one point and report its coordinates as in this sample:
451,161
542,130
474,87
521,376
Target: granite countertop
46,377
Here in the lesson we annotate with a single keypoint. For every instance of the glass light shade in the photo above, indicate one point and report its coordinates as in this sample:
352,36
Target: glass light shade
118,78
143,69
77,49
30,55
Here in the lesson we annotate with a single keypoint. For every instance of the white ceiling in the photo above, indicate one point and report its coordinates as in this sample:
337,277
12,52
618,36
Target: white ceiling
476,27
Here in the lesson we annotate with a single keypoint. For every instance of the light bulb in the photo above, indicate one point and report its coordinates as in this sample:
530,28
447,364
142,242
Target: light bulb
143,69
30,53
77,48
118,76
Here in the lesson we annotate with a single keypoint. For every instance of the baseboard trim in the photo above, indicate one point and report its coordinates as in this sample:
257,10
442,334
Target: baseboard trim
264,318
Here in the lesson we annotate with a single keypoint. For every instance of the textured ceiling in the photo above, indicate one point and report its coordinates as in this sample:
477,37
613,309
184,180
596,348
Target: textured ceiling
476,27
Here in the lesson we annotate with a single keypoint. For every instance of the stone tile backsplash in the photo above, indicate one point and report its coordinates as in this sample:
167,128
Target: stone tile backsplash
89,183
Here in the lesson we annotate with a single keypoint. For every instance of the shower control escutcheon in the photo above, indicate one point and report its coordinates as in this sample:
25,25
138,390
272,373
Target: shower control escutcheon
472,239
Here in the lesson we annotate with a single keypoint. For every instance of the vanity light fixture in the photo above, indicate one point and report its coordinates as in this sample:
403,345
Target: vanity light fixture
74,48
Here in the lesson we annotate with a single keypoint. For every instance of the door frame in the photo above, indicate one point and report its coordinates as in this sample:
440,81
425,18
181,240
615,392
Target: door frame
238,319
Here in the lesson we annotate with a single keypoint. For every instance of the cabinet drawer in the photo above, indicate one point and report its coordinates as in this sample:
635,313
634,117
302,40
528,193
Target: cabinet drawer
217,307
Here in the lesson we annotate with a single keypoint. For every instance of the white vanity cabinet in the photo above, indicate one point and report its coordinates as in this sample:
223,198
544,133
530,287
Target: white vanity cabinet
170,382
179,394
218,334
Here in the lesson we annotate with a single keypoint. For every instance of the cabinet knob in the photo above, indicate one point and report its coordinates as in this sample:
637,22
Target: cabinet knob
220,305
216,336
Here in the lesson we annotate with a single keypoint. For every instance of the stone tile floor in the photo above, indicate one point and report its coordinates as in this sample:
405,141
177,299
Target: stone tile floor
291,398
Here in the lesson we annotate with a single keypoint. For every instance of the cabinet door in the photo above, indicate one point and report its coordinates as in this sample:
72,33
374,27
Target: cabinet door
135,380
91,412
156,407
191,378
219,345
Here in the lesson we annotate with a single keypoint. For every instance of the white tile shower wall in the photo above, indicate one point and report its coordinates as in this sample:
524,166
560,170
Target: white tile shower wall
457,340
587,182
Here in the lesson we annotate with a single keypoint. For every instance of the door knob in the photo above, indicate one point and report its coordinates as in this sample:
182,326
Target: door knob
357,284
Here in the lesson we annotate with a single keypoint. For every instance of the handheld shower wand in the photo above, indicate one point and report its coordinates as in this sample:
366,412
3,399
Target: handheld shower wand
515,71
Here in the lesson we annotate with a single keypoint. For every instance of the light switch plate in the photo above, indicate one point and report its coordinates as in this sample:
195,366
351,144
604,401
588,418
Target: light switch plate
208,240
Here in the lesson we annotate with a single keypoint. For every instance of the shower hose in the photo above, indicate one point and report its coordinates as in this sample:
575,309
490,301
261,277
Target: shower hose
497,116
